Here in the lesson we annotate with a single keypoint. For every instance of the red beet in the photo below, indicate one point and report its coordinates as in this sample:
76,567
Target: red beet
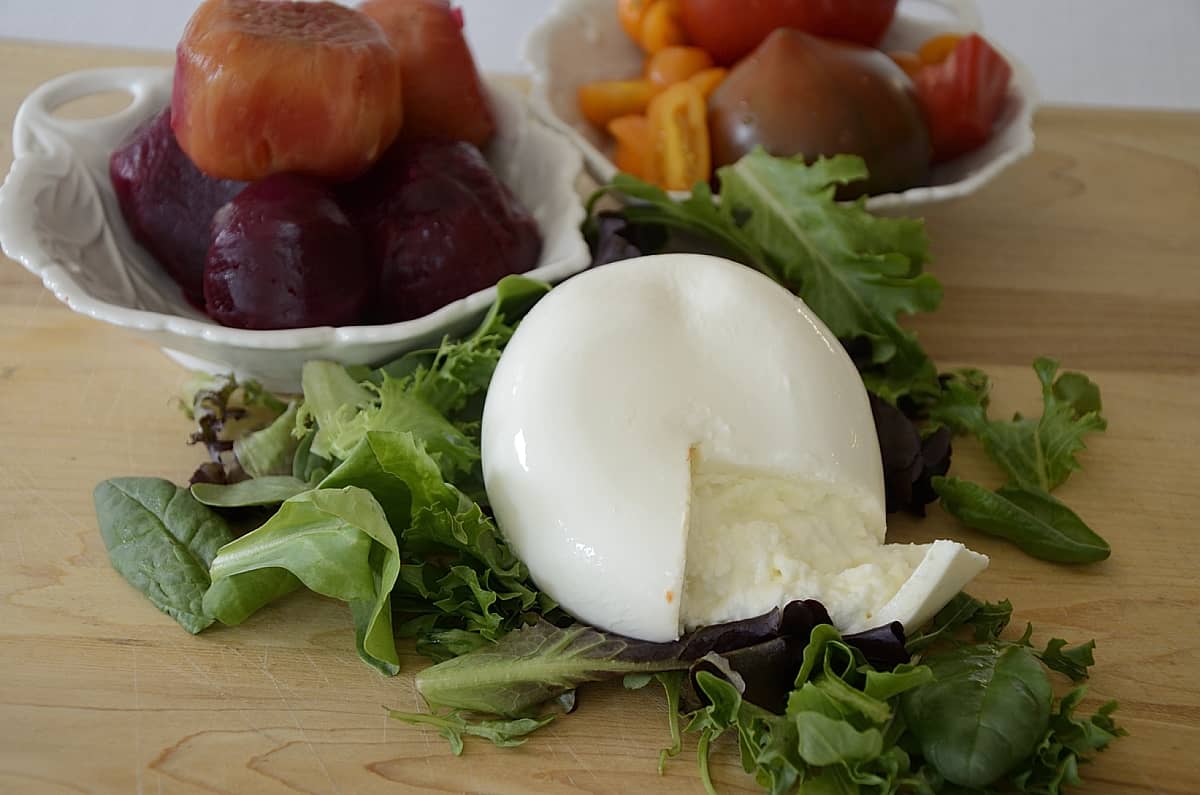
284,255
439,225
167,202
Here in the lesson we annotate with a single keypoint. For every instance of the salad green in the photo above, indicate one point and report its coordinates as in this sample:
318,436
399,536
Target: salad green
163,542
373,492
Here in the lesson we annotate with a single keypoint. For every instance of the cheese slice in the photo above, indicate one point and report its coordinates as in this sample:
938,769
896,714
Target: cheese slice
675,441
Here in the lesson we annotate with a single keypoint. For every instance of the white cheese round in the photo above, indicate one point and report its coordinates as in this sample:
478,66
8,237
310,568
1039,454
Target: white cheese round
674,441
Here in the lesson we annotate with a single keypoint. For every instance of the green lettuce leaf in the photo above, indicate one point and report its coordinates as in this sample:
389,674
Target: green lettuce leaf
265,490
271,450
332,400
458,571
336,542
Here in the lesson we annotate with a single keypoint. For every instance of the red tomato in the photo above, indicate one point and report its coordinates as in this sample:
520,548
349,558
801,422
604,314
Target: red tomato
962,96
730,29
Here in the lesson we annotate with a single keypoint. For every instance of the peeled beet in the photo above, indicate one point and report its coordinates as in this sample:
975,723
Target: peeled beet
284,255
167,202
444,97
438,225
267,87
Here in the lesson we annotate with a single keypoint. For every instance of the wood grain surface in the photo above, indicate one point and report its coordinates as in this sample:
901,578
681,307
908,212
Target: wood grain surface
1088,251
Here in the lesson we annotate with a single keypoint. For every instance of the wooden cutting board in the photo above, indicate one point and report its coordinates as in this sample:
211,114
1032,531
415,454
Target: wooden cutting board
1088,251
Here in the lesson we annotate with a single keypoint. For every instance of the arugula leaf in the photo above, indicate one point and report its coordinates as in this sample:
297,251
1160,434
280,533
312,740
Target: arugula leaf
1035,521
1068,742
1038,455
988,619
1071,661
162,541
453,726
336,542
856,271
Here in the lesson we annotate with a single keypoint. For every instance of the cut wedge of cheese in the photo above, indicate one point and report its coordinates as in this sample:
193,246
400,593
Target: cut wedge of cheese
675,441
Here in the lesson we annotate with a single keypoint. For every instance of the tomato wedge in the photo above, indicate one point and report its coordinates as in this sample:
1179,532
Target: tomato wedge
962,96
678,123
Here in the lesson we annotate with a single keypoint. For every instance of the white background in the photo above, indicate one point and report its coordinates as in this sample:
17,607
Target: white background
1139,53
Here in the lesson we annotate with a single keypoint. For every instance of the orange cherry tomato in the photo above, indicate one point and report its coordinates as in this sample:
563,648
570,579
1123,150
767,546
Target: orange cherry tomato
674,64
634,150
938,48
661,27
605,100
707,80
631,13
910,62
678,121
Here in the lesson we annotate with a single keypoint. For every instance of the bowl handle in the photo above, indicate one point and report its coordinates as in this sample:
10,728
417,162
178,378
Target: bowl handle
965,12
36,128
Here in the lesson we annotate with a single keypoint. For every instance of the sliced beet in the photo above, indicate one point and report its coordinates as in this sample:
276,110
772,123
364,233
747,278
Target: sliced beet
167,202
284,255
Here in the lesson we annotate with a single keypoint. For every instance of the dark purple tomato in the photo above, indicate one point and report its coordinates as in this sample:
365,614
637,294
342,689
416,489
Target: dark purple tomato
167,202
801,95
438,225
284,255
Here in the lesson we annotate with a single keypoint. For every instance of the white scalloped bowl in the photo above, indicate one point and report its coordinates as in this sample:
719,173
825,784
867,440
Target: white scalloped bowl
582,40
60,219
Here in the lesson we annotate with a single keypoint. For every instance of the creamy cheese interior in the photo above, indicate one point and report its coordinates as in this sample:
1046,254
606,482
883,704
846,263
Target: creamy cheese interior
758,540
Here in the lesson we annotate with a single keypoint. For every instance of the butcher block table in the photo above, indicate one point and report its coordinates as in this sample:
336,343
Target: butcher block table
1088,251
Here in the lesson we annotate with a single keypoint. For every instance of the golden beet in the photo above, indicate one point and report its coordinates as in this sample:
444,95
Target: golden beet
265,87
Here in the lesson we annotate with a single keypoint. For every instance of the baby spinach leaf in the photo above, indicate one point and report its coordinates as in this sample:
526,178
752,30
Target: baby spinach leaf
985,711
1035,521
336,542
266,490
162,541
